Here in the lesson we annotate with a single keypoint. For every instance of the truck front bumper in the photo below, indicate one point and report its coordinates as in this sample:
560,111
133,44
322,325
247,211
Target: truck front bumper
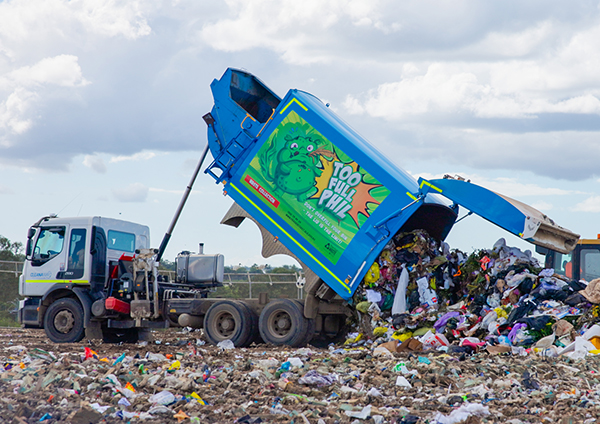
29,312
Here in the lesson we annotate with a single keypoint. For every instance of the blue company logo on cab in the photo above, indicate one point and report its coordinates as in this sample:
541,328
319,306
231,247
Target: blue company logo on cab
40,274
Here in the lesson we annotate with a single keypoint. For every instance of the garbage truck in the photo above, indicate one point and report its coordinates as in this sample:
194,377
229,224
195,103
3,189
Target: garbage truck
317,190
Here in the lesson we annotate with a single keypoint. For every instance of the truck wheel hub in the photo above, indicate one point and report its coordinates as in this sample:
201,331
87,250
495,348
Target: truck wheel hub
225,325
64,321
282,322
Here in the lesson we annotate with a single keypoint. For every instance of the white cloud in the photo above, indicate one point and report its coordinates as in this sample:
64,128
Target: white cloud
510,187
567,155
95,163
543,206
43,18
14,113
140,156
62,70
114,18
299,31
591,204
135,192
27,85
446,89
163,190
516,43
36,41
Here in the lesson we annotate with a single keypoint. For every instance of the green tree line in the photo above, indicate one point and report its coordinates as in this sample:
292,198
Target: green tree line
265,278
9,281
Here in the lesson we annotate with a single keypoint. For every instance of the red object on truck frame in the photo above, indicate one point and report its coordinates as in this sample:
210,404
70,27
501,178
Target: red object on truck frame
115,304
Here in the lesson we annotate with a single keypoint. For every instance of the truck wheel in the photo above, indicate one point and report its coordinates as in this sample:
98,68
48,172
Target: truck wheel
312,325
282,322
229,320
254,321
63,321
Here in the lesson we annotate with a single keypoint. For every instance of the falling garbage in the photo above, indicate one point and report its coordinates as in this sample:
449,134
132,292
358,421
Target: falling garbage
499,300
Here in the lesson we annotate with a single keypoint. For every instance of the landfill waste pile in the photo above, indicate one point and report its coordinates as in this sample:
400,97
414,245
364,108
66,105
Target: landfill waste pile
420,295
438,337
179,379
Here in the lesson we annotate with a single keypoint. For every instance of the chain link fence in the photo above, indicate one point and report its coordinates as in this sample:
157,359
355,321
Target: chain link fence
241,285
11,267
249,285
9,292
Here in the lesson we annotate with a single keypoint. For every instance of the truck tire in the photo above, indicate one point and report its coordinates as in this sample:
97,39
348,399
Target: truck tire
229,320
254,321
63,321
312,325
282,322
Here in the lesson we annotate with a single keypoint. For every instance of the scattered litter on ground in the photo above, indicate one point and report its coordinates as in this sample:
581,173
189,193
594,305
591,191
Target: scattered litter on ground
438,337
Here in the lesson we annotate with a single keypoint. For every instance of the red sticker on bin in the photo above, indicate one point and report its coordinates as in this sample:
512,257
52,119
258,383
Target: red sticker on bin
264,193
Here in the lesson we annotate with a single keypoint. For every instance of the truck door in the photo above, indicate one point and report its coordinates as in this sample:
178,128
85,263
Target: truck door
60,255
98,251
76,259
48,259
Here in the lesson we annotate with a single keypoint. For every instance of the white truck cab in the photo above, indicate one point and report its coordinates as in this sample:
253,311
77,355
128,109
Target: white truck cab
97,277
67,253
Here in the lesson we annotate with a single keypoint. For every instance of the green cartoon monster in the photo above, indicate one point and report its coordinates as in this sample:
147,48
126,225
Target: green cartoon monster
295,167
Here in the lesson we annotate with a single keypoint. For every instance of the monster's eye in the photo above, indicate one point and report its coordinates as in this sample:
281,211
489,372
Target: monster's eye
310,147
294,145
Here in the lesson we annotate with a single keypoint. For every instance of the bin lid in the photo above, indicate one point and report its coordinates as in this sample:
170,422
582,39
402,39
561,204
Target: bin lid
516,217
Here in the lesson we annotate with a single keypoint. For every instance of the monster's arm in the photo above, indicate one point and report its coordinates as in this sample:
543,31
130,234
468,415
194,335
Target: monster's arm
304,196
284,169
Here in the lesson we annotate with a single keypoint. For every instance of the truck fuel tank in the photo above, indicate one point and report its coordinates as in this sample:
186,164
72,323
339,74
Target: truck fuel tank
199,269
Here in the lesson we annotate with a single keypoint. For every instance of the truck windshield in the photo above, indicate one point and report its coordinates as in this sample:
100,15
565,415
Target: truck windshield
49,244
563,264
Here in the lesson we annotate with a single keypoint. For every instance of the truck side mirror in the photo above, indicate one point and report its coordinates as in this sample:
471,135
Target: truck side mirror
28,247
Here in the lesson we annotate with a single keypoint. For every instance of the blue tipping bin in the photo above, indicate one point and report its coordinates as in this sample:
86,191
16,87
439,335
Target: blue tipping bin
314,183
310,179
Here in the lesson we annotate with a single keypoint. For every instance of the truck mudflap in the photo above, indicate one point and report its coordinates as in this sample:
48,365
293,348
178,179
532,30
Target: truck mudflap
515,217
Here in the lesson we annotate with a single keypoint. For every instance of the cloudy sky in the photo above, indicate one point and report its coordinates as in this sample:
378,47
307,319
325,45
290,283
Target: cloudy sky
101,102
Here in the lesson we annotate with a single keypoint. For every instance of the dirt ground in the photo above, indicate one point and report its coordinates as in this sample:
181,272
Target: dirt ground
46,382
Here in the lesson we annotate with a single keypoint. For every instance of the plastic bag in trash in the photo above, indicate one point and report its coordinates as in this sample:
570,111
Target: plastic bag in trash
399,305
314,378
162,398
427,296
433,341
403,382
462,414
362,415
226,344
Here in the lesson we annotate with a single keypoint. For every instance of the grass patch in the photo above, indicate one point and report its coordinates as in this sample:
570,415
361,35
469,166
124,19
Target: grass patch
8,320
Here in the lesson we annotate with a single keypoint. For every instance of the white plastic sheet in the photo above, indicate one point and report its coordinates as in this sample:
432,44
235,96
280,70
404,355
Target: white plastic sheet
461,414
399,305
